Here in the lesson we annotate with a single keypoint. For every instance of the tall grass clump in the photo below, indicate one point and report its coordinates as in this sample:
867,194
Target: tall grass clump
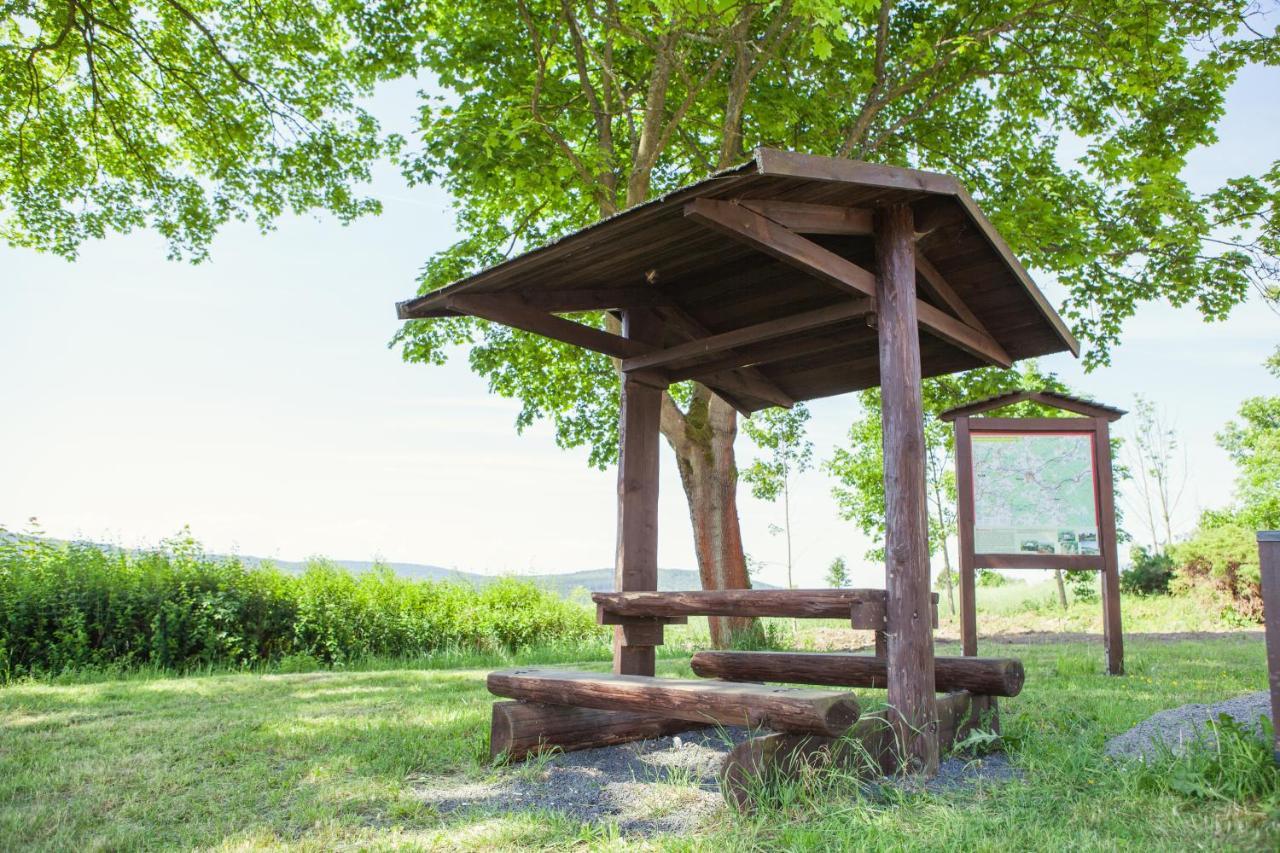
66,607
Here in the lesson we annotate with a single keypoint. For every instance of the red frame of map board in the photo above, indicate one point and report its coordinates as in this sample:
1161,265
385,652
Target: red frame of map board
1105,561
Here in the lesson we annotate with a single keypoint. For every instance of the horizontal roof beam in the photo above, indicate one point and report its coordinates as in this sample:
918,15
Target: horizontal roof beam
762,354
769,237
753,381
508,311
747,226
768,330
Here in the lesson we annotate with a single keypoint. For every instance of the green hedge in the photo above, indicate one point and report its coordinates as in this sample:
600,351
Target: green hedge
76,606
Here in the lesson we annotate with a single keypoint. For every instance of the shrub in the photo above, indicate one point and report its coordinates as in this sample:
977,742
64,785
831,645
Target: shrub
988,577
1223,556
1150,573
78,606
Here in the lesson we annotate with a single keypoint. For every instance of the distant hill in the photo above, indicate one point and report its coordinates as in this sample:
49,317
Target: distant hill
563,583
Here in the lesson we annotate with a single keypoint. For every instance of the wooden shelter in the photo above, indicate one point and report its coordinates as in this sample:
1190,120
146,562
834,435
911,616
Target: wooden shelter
788,278
1091,425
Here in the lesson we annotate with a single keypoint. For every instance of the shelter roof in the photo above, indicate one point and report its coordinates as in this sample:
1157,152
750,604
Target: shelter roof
763,278
1065,402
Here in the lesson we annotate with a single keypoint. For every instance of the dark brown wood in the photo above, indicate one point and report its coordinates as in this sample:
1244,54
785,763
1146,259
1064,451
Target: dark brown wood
521,729
768,330
973,341
605,617
825,265
767,353
826,712
1065,402
1269,566
772,161
871,749
807,218
1112,629
864,607
787,246
514,313
1106,561
1065,562
1051,425
988,676
945,293
964,531
596,298
755,382
636,566
911,689
727,284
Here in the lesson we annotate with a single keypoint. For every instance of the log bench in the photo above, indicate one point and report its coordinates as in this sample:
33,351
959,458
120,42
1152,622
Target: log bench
866,609
793,709
982,676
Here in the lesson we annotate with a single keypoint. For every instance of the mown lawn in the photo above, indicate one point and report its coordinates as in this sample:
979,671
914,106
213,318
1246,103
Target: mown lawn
325,759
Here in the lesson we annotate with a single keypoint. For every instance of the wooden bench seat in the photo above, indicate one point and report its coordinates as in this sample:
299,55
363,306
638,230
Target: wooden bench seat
865,608
981,676
788,709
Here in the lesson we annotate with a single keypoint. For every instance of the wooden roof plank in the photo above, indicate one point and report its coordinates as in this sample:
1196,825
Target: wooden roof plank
750,334
807,218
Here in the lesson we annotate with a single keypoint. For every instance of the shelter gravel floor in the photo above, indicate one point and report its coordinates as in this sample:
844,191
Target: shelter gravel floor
667,785
1177,727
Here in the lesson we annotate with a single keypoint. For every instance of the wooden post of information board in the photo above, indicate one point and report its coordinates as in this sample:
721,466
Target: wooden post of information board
1269,563
1095,423
964,521
1112,632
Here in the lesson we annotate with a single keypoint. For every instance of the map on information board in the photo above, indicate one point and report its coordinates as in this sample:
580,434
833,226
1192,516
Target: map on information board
1034,494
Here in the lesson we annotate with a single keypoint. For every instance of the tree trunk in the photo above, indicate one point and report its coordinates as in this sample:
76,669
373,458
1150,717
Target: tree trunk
703,442
1062,588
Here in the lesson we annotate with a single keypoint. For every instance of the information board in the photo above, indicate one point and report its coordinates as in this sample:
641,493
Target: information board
1034,493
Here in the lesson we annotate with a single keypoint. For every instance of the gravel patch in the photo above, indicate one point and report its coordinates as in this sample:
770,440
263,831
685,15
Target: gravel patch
666,785
1178,727
957,773
656,786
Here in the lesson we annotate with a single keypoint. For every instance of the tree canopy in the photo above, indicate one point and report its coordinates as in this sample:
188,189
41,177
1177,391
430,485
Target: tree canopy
179,115
558,113
1253,443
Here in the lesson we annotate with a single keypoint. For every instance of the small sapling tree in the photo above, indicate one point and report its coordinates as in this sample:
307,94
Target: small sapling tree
838,574
781,434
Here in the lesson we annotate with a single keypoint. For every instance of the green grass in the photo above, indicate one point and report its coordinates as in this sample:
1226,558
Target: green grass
317,760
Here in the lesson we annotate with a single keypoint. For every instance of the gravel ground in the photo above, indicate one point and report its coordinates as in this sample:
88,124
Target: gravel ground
667,785
1177,727
647,787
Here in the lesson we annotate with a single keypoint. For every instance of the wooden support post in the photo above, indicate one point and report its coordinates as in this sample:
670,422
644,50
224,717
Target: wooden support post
913,705
1269,563
1112,632
636,567
964,526
870,749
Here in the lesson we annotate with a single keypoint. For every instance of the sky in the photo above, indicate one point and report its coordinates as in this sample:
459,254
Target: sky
254,398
